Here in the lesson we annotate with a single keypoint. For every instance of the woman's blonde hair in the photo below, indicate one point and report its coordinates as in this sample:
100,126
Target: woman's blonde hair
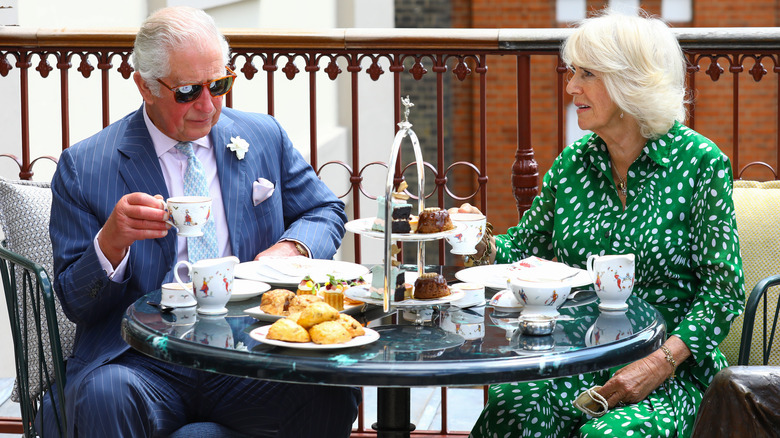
641,64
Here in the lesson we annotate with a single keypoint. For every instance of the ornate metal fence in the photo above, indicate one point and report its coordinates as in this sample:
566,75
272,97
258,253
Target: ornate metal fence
500,91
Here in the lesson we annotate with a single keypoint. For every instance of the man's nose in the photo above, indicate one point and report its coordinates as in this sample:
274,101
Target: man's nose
204,102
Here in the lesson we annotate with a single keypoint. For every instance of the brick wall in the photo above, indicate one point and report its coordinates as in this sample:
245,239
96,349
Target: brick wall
758,114
426,14
502,135
713,116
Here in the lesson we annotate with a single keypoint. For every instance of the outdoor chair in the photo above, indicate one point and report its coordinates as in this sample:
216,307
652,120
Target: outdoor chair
758,223
744,400
33,318
768,320
42,334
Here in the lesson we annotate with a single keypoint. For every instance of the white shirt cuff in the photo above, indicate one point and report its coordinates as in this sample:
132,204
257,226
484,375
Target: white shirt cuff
116,275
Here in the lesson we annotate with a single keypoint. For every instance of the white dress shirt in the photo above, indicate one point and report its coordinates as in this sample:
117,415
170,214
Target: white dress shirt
174,166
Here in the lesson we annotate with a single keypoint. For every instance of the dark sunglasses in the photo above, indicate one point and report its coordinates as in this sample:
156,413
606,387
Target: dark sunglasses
189,92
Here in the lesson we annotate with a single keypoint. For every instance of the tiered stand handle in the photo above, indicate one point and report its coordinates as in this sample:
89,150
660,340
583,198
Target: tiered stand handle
405,130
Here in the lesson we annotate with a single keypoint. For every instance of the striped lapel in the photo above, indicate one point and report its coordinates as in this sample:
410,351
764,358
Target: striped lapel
235,190
140,170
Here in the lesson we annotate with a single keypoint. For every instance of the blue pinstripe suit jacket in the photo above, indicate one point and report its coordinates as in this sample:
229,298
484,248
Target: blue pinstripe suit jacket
94,174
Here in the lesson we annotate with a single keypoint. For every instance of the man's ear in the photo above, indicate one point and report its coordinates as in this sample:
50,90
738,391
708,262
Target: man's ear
143,88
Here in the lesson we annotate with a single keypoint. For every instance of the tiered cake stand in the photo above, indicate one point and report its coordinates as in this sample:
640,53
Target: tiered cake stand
363,226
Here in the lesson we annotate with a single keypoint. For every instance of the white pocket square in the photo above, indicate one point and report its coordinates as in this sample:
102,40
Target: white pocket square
262,189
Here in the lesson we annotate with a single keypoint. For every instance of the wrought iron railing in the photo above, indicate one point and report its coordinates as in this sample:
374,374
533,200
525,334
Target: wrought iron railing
493,105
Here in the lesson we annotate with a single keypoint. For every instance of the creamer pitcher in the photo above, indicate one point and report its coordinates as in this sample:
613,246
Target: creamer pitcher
212,282
613,279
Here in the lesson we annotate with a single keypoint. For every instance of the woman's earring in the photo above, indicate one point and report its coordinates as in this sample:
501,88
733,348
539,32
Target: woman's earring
621,114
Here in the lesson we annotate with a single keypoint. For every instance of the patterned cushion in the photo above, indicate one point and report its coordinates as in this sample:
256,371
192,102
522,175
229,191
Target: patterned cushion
758,224
25,207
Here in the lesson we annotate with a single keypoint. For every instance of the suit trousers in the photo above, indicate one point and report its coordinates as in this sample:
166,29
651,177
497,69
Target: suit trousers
138,396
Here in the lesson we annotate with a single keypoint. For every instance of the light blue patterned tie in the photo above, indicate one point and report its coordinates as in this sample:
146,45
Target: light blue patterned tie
195,184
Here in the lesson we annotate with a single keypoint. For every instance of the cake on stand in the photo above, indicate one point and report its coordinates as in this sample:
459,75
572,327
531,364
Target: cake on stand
364,227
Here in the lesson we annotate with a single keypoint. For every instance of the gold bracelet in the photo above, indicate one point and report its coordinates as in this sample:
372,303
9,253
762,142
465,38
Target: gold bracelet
484,259
670,359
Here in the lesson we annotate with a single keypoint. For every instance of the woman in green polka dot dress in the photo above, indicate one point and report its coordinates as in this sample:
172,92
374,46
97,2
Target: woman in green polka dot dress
641,183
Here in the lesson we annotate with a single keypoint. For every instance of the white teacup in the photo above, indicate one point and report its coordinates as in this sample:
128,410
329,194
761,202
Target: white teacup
473,228
212,283
474,294
176,295
613,279
189,214
540,298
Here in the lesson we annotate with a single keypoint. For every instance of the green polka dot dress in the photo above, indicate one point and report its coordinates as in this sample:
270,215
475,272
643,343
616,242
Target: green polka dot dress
679,222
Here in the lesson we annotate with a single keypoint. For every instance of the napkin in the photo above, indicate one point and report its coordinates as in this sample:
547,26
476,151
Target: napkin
262,189
281,268
541,270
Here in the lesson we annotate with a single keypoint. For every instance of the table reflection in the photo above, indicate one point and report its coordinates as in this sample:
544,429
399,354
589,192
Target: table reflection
212,330
610,326
454,346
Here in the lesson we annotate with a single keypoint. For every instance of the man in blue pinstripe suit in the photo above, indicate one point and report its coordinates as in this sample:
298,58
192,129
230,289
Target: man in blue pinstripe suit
111,244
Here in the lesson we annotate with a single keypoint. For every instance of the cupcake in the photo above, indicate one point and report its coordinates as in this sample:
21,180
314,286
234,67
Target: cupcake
307,286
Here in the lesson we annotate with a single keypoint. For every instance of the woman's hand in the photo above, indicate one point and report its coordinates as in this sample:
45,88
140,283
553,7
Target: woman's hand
465,208
634,382
482,246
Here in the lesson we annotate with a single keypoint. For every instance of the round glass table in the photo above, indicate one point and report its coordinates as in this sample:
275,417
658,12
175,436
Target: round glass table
455,347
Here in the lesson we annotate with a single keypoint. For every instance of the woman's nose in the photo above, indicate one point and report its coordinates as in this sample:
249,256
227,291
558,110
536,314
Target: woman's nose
573,87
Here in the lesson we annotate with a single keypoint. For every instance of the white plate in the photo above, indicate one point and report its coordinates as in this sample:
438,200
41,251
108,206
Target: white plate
289,271
246,289
363,227
496,276
361,293
259,334
257,313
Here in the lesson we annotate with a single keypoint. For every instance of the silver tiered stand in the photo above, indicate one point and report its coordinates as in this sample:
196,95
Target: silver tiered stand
360,226
395,401
405,130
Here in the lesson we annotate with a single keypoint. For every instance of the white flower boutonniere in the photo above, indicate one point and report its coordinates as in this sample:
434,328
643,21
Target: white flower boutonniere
239,146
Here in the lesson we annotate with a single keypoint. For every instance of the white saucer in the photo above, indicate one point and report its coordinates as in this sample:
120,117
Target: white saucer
246,289
505,301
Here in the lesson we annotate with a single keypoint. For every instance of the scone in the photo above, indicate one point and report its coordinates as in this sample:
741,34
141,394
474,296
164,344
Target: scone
287,330
276,302
353,327
293,316
300,302
329,332
316,313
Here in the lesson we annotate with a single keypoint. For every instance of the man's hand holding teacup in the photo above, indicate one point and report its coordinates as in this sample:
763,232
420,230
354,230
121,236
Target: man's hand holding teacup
136,216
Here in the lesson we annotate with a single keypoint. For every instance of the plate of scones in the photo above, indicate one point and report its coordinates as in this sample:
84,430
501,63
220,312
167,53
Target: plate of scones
281,303
318,327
